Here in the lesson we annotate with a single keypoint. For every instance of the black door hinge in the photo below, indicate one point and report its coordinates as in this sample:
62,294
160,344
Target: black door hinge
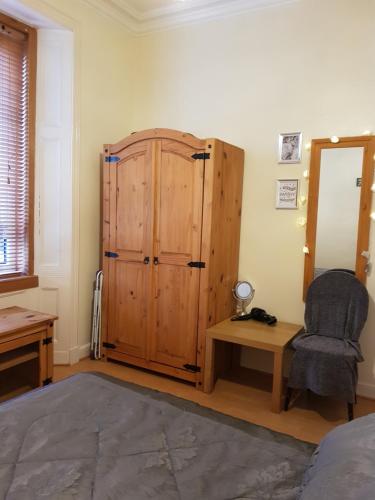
47,341
201,156
47,381
112,159
192,368
200,265
108,345
112,255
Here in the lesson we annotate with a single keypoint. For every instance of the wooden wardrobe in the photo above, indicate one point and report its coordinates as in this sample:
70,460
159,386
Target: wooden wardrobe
171,210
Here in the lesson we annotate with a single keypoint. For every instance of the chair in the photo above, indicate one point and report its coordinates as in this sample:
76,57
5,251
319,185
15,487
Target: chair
326,355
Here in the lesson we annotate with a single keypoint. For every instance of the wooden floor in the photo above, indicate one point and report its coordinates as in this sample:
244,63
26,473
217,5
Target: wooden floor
309,419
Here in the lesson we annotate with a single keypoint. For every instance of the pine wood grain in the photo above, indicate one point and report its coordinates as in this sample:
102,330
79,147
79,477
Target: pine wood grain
14,359
157,133
127,278
220,241
15,319
26,349
163,203
250,334
178,230
255,334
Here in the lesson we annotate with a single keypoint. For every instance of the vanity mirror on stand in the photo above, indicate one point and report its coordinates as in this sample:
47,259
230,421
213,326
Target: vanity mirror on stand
339,206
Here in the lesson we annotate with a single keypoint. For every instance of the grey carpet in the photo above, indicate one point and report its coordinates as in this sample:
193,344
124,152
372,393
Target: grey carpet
95,437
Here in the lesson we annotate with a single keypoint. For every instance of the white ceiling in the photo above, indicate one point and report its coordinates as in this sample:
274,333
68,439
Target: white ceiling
147,5
144,16
151,8
17,9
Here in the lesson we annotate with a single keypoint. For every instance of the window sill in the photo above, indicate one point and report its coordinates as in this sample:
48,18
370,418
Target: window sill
18,283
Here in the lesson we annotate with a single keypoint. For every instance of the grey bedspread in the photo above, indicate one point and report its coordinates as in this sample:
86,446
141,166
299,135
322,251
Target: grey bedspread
343,466
89,437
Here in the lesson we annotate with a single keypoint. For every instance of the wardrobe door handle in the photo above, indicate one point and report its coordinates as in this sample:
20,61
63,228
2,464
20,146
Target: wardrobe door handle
146,260
156,261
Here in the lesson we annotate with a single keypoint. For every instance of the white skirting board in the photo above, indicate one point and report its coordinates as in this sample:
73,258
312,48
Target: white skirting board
79,352
72,356
366,390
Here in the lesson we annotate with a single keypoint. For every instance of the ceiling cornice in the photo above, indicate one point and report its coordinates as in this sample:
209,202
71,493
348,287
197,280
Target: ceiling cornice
141,23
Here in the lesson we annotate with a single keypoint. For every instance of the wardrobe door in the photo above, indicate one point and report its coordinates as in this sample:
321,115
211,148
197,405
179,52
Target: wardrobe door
178,223
130,241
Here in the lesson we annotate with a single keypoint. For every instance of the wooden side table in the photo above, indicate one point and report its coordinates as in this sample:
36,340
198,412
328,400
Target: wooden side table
26,350
251,334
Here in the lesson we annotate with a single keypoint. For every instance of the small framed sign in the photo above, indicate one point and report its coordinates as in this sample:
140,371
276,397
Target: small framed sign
287,193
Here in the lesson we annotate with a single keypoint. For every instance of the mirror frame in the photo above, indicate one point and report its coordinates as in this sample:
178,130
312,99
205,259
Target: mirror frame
364,221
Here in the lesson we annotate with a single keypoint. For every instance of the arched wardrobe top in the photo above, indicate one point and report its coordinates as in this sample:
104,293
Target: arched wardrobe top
156,133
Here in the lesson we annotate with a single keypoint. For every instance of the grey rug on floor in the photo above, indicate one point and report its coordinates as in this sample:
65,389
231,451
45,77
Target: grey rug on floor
95,437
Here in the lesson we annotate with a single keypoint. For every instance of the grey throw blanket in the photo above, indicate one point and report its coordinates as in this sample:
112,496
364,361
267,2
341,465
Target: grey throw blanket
88,437
326,355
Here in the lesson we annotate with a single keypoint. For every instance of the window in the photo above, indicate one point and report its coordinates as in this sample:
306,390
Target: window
17,130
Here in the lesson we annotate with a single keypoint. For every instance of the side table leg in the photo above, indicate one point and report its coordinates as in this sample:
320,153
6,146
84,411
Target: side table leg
209,366
277,388
42,362
50,350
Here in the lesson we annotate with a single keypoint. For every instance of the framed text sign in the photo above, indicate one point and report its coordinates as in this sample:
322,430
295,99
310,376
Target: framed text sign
287,193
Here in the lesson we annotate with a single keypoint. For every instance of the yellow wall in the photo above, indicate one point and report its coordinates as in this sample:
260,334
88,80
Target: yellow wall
307,66
105,103
102,89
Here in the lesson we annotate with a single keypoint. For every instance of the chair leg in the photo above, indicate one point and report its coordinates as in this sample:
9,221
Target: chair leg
287,398
350,412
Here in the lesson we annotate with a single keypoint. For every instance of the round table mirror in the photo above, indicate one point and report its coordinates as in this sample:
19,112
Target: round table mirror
243,292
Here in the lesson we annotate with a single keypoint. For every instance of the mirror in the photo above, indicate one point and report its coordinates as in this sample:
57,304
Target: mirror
338,209
338,219
243,292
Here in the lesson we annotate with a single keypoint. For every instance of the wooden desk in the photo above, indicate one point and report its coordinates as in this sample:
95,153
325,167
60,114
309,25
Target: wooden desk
26,350
252,334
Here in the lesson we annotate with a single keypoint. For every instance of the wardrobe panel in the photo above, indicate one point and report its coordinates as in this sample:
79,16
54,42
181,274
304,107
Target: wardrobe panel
131,207
133,210
174,335
220,240
226,220
179,204
128,307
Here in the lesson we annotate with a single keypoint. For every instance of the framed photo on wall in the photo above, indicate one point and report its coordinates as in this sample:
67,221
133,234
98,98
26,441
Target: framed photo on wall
287,194
290,147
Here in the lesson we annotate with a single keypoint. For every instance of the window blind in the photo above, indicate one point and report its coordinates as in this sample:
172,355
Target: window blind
14,152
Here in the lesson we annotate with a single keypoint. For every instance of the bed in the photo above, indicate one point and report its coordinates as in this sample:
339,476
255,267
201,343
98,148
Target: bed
94,437
343,465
